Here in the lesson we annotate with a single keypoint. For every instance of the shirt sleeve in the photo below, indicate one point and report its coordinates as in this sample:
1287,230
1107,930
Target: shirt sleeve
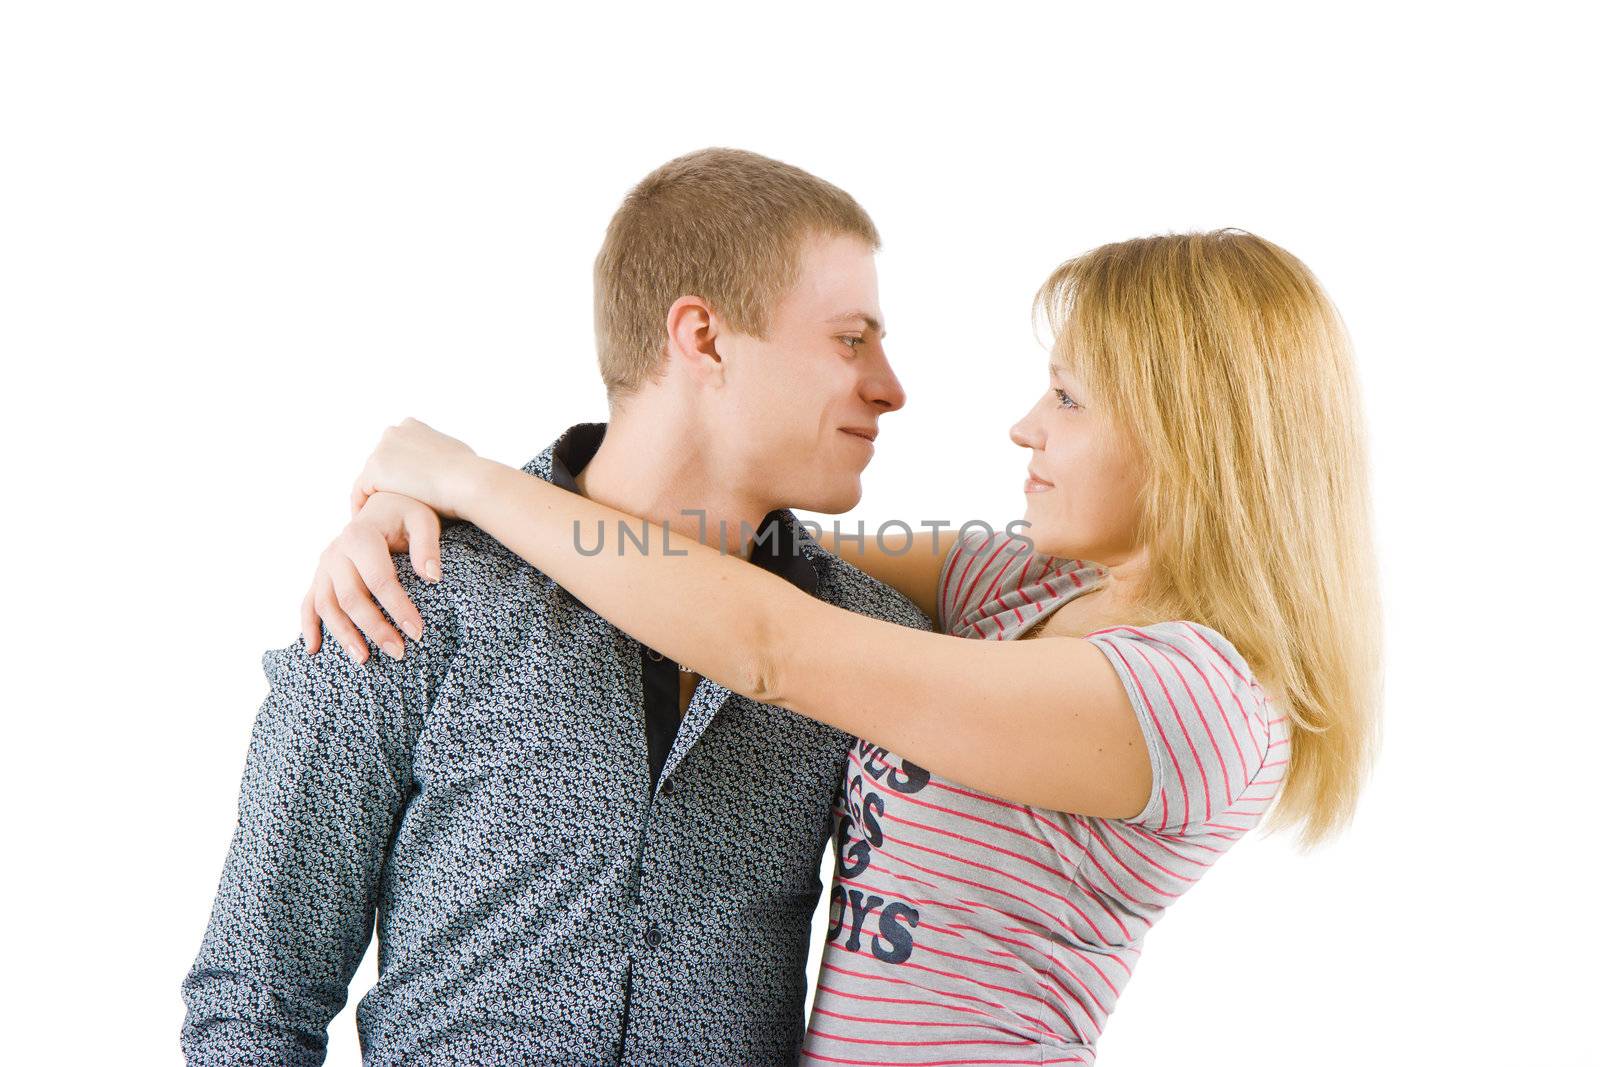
1204,718
326,777
987,575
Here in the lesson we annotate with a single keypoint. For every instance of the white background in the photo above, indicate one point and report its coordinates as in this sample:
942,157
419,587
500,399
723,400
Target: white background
236,241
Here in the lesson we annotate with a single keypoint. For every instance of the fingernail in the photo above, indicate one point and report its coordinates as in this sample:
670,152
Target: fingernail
394,649
432,567
413,629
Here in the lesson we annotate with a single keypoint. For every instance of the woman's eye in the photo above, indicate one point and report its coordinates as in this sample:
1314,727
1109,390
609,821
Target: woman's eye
1066,401
853,342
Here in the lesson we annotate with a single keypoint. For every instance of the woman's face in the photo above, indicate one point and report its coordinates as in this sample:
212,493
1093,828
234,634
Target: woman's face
1083,476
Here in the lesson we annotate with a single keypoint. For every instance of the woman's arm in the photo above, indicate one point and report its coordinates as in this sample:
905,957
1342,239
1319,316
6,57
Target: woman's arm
913,571
1042,722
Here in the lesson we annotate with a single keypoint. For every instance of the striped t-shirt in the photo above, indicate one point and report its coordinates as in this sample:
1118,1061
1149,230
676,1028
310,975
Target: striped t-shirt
965,929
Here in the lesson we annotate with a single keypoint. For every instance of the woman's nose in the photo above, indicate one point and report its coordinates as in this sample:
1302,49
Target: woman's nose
1024,432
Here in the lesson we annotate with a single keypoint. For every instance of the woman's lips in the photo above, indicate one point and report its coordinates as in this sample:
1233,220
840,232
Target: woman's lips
1035,484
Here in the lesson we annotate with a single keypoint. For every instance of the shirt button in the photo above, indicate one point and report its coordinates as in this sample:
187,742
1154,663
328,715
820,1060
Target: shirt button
668,787
652,936
655,657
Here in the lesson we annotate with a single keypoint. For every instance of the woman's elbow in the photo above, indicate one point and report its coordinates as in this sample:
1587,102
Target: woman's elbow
761,668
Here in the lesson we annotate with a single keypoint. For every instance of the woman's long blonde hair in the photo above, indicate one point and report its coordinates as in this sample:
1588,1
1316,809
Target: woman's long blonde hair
1222,358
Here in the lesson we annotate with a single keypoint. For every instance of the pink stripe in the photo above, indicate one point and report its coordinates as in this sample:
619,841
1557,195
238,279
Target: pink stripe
1227,781
1110,827
1173,756
999,547
916,1044
1022,592
956,812
1036,815
1113,854
1076,1002
967,979
1029,1023
1055,942
1248,718
1012,896
1033,813
1205,781
931,1063
1166,843
988,594
904,967
1224,659
1029,972
1025,928
890,1022
1046,868
950,568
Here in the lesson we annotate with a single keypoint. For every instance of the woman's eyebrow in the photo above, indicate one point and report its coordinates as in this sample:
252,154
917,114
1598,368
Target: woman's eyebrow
1063,376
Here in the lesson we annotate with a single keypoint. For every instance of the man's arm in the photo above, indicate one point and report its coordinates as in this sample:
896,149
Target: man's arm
324,785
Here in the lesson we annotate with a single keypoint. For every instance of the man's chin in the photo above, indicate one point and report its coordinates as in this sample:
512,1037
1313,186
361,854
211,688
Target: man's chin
834,500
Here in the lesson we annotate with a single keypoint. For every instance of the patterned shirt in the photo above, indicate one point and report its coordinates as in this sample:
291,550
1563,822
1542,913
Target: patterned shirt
969,930
489,800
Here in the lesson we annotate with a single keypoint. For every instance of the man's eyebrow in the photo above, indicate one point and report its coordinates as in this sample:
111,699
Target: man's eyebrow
859,316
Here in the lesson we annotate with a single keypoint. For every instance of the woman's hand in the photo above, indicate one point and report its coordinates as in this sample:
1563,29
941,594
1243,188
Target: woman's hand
357,566
415,460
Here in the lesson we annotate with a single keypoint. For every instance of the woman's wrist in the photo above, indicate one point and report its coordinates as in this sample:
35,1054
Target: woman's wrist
474,483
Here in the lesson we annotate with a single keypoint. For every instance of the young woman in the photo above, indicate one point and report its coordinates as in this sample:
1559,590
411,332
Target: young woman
1191,635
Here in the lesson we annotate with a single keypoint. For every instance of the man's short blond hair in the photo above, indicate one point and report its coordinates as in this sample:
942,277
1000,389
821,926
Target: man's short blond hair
725,225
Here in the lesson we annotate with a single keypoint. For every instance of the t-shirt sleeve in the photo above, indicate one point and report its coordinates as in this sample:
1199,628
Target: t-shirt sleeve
988,574
1204,718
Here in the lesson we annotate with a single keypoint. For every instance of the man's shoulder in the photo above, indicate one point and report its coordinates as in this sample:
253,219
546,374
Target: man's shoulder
848,586
475,567
474,564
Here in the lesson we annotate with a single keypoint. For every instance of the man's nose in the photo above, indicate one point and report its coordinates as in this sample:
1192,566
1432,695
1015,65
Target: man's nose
882,388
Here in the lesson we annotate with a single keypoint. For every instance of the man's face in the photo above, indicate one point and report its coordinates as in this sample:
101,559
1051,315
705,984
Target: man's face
800,407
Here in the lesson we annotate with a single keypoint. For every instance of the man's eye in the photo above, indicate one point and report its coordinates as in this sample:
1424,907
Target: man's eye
1066,401
852,342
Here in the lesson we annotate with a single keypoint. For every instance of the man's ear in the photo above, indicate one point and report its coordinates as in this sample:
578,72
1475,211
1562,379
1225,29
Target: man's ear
692,330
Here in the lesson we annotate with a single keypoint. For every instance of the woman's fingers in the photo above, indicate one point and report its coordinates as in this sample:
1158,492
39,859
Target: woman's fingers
356,603
338,623
368,551
422,535
358,499
310,625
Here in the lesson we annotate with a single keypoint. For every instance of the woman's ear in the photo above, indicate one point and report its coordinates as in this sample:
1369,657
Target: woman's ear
692,330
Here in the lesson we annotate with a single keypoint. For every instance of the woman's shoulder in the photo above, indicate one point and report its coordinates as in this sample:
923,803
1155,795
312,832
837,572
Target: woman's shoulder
1188,643
1177,633
1213,730
993,576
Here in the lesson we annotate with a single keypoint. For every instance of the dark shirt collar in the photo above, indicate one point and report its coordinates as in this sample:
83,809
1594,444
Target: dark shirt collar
787,551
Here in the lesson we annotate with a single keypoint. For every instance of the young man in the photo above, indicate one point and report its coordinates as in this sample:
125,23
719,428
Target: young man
576,852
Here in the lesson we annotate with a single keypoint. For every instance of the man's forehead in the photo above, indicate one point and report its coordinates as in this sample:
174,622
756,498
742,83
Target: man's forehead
838,285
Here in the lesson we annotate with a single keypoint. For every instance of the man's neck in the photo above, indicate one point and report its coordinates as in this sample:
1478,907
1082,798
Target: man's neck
660,473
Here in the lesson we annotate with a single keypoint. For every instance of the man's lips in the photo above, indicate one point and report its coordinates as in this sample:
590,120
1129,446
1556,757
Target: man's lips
866,435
